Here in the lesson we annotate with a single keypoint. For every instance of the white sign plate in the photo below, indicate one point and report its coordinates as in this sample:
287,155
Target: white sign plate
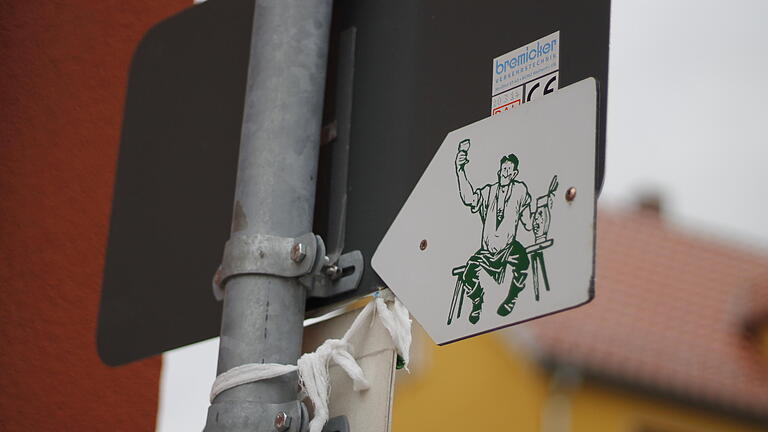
368,410
488,238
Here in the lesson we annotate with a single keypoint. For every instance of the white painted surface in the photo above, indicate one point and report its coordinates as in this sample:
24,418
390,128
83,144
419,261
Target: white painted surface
368,410
554,135
185,383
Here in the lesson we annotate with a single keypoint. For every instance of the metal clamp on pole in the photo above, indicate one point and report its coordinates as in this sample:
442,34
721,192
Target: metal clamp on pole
253,416
303,257
268,255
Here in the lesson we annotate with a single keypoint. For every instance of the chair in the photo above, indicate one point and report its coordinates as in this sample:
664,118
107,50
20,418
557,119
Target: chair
535,253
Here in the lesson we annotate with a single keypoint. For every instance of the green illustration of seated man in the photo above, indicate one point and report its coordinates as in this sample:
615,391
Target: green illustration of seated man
503,206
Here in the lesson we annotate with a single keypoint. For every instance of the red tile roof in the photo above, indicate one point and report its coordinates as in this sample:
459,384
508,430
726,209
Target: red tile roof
669,314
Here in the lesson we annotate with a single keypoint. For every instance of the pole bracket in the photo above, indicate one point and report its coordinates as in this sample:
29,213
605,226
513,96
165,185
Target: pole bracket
268,255
303,257
330,279
246,415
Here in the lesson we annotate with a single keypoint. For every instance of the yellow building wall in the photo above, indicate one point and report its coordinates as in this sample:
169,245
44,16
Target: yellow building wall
471,385
601,408
485,384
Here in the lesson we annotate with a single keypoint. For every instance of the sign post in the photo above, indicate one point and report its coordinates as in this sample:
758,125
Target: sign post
273,212
464,260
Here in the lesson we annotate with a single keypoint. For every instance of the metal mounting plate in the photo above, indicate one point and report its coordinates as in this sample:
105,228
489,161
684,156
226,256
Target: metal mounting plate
337,424
351,267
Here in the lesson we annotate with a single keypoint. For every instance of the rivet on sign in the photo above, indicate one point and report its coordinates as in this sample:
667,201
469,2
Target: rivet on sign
423,244
570,194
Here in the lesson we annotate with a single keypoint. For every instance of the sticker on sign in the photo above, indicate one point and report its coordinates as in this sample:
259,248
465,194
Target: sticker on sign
500,227
525,74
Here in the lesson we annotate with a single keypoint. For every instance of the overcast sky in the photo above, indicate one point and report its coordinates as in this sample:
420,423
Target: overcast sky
687,113
686,118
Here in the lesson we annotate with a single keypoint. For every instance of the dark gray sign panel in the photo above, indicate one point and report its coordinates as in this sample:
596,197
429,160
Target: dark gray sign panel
421,69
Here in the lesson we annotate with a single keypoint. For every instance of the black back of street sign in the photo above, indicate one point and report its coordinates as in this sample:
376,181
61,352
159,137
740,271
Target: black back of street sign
422,69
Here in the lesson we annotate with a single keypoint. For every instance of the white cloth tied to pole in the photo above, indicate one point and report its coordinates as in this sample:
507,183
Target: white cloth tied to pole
397,323
312,367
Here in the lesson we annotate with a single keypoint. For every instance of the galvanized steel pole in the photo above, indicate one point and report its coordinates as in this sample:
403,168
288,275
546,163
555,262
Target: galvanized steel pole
275,195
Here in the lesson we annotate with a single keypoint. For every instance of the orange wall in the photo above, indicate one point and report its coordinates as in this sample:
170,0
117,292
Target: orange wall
63,71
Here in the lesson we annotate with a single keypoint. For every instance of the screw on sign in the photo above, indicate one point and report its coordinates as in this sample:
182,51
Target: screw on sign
570,194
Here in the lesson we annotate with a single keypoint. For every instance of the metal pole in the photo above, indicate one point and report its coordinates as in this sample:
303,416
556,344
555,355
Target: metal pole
275,195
